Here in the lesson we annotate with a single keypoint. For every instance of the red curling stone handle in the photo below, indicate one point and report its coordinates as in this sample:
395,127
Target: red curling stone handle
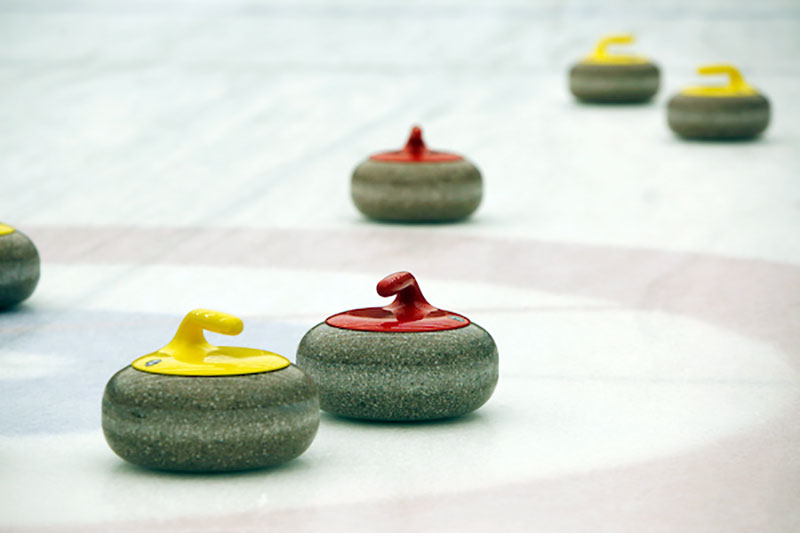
409,312
410,304
415,151
415,145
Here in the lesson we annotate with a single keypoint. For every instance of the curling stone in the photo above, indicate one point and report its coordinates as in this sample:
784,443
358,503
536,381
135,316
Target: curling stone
614,78
406,361
733,111
192,406
416,184
19,266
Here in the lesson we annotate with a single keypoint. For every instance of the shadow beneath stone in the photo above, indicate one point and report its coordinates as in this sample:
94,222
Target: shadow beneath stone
18,308
416,223
624,105
475,417
758,139
129,469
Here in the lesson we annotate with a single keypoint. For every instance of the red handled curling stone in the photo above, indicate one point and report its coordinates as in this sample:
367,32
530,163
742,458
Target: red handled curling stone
416,184
406,361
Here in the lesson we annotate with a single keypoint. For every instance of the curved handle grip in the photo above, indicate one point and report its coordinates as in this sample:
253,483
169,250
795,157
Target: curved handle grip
735,79
600,49
395,283
415,144
216,321
189,343
410,304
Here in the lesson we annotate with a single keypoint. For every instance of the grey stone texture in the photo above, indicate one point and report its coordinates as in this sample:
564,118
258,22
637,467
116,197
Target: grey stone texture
625,83
210,424
417,192
19,268
718,117
400,376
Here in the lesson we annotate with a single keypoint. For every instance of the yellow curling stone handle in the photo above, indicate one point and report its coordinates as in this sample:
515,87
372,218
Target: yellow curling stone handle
737,86
601,55
190,354
5,229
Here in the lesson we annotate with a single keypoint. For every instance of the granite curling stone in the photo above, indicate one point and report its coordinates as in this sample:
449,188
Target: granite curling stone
19,266
416,184
192,406
614,78
733,111
403,362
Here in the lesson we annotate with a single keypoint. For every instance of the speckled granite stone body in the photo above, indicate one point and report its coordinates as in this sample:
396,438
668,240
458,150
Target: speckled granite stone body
417,192
627,83
400,376
19,268
705,117
218,423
